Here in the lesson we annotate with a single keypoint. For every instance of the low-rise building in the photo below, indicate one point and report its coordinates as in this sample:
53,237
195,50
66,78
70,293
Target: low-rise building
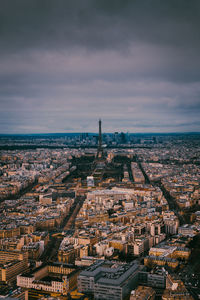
143,292
51,278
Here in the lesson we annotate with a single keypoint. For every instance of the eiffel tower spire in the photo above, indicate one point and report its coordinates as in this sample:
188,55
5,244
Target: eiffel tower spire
100,153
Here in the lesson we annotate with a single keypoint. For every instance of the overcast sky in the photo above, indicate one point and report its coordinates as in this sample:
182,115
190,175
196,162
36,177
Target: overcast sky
66,63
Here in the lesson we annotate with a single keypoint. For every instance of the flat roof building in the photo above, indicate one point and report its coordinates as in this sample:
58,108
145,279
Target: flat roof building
109,280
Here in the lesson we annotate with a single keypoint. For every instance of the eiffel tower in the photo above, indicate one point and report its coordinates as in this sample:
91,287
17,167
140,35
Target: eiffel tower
100,153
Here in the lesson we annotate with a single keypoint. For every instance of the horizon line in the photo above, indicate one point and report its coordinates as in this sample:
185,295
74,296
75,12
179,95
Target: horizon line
87,132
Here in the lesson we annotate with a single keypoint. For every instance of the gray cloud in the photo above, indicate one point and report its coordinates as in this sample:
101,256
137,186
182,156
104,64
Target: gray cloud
99,24
134,63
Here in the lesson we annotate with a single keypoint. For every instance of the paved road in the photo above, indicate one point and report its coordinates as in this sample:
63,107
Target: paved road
171,201
52,248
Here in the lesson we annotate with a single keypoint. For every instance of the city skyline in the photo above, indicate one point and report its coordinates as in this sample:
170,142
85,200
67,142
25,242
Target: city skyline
134,64
73,214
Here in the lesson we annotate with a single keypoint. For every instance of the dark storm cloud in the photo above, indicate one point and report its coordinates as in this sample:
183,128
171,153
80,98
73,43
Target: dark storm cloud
99,24
65,63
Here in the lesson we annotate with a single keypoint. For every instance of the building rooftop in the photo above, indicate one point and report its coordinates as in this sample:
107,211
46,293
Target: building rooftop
110,273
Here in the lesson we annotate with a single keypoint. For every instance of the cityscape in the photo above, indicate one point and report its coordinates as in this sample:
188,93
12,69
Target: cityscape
100,216
100,149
